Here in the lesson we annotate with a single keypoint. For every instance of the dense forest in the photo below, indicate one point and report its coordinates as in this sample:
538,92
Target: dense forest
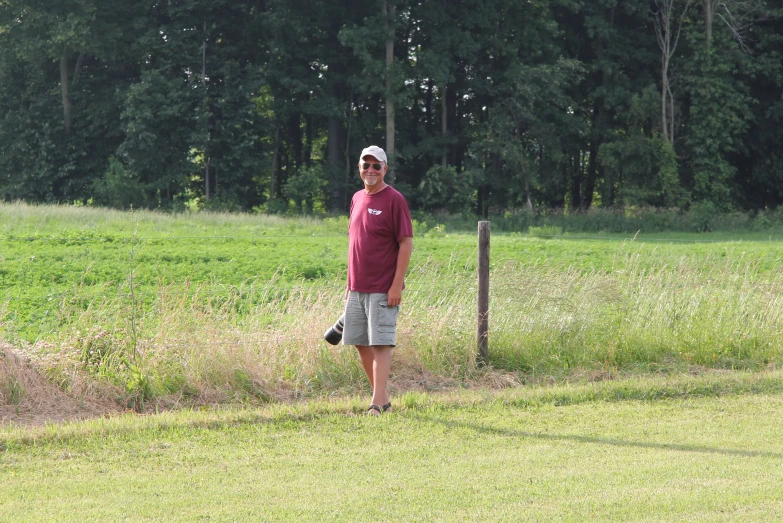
482,105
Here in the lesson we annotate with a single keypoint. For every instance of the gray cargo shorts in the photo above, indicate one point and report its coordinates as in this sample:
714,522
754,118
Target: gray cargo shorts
369,320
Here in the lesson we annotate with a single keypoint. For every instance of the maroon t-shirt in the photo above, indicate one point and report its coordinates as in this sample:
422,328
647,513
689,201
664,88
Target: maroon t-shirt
376,225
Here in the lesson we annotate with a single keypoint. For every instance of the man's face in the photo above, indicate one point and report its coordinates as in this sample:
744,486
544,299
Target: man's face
372,171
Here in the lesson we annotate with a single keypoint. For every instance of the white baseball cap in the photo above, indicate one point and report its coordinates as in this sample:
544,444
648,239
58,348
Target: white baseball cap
374,151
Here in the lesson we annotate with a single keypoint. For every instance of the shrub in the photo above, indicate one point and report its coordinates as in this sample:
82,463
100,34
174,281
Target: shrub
119,187
443,188
305,189
702,216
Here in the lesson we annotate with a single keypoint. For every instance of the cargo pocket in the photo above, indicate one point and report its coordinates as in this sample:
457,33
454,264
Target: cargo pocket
387,317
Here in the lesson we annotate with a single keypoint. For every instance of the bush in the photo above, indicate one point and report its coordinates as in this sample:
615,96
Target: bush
119,188
305,189
272,206
702,216
443,188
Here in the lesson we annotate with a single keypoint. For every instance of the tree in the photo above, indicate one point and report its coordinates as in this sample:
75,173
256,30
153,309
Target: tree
668,17
389,11
245,104
720,108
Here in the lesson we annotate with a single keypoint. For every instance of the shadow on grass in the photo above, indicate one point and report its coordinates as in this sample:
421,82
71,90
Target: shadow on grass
484,429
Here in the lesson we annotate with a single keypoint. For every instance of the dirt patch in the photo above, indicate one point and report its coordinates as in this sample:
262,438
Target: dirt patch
27,397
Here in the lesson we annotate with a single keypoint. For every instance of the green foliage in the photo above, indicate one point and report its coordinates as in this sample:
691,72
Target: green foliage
443,188
119,188
306,189
674,195
535,105
720,112
703,215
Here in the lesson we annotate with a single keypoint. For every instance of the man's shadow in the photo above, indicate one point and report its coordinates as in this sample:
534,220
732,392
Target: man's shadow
484,429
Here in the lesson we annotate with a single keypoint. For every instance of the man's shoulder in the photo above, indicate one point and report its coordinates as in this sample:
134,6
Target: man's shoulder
393,194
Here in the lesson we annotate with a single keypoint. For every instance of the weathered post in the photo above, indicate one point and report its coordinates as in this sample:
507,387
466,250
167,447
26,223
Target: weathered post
483,291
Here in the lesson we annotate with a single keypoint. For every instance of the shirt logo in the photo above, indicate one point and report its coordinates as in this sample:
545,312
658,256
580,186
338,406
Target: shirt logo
374,212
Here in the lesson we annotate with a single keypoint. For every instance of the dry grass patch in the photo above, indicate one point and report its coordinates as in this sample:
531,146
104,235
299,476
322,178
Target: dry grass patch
28,396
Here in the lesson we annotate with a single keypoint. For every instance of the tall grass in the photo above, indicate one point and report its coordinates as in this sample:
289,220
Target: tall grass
195,345
716,315
260,340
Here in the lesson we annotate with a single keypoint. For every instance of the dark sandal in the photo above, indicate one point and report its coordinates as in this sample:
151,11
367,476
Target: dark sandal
375,408
386,407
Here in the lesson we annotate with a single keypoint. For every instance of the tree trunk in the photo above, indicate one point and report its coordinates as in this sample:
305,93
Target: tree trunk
77,69
592,163
428,106
207,159
333,141
389,11
576,183
67,107
295,138
307,150
664,95
668,37
273,176
671,113
592,174
335,135
453,107
348,166
206,177
444,127
708,18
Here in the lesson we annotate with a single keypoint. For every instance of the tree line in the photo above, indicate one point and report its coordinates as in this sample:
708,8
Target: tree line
482,105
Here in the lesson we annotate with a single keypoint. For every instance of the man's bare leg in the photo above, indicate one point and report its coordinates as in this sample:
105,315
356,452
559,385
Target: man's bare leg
368,357
381,369
376,361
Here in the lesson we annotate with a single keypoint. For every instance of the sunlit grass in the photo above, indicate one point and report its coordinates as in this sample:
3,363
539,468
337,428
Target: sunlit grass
602,451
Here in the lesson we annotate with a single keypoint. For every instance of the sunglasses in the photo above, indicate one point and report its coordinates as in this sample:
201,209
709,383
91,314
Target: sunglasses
375,166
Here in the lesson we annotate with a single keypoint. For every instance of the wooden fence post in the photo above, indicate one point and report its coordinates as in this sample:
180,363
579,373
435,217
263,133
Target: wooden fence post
483,291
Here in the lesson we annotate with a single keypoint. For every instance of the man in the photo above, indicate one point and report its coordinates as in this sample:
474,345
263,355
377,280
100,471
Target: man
380,242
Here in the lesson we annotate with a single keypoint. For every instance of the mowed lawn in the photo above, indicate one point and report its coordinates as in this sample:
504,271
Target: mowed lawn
475,456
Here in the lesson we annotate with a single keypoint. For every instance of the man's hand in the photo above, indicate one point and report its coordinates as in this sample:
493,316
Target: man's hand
394,296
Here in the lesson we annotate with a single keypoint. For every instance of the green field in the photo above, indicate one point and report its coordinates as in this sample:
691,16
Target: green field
156,306
654,449
631,377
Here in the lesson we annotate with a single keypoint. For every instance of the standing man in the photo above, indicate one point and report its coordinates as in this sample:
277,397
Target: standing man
380,242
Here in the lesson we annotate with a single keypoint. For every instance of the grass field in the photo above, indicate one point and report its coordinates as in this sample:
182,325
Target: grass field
631,377
142,307
685,448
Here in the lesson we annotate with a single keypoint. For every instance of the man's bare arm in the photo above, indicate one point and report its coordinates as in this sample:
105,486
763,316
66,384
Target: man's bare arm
403,260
